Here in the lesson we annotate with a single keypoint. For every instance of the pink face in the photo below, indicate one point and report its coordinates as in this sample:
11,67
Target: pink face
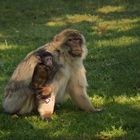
48,61
75,45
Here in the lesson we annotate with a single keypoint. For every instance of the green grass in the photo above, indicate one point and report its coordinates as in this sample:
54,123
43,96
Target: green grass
112,31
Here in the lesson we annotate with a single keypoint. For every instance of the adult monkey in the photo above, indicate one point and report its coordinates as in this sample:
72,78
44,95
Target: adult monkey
69,50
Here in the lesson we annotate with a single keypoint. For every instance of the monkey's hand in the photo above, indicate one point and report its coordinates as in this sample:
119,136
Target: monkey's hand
46,90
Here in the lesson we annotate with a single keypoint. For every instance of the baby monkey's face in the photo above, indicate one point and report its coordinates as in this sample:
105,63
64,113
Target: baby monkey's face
48,61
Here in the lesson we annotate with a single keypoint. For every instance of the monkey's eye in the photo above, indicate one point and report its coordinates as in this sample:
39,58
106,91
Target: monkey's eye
78,39
49,58
70,39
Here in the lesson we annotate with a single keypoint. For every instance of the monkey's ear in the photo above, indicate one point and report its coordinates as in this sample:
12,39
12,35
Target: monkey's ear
39,58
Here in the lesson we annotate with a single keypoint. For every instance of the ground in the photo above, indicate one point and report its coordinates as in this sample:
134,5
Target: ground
112,31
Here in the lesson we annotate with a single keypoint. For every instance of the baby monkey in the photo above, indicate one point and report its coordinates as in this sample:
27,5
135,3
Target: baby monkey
43,74
40,83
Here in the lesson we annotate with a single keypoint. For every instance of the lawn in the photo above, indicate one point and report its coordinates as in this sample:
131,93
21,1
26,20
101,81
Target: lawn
112,31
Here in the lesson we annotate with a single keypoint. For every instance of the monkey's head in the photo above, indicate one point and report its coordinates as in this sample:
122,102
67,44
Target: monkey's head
72,42
45,57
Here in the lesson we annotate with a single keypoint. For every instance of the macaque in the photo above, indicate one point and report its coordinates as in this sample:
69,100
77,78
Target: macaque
68,49
42,76
44,72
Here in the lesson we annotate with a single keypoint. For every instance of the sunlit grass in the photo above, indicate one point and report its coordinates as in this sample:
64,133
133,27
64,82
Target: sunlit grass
5,46
110,9
71,19
112,132
98,100
116,25
118,42
122,100
133,101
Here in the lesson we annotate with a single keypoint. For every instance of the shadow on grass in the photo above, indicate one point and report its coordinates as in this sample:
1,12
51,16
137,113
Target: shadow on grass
113,68
75,125
115,74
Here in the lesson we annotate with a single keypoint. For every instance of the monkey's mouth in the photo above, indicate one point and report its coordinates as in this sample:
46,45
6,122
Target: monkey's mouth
75,53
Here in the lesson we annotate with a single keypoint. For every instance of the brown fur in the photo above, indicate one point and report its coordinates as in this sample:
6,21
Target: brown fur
70,78
40,76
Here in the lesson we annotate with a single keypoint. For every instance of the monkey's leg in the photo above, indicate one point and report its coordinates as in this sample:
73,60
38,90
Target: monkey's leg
13,102
29,105
46,107
18,103
57,87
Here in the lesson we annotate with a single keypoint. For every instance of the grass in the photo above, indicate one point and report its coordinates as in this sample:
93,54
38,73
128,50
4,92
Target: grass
112,31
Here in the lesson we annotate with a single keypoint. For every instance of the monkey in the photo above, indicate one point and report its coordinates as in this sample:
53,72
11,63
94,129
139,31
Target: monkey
42,76
44,72
69,49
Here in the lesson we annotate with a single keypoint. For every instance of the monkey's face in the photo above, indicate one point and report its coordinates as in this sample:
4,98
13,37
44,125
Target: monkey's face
74,43
48,61
71,42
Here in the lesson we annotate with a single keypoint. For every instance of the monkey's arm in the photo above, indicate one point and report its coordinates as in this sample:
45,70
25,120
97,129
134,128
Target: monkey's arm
39,77
81,99
34,81
77,91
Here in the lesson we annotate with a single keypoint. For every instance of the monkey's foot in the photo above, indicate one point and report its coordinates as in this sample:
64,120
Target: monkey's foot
46,116
96,110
